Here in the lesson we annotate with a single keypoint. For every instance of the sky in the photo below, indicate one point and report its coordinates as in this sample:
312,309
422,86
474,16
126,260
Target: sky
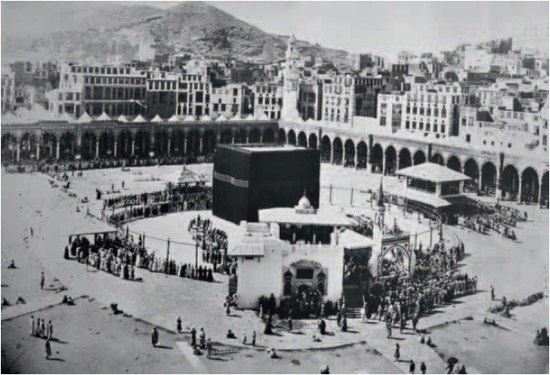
383,27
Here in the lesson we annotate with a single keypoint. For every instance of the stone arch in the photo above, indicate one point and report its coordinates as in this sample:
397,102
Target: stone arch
269,136
326,148
291,137
529,186
193,143
438,159
124,144
88,145
302,139
226,137
510,182
142,143
106,144
453,162
361,155
337,151
489,178
376,157
349,153
254,136
391,160
209,142
471,170
240,136
405,158
161,143
419,157
544,190
312,140
9,143
67,145
27,146
178,146
282,136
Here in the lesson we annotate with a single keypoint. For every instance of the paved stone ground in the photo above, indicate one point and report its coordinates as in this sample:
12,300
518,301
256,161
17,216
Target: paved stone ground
160,299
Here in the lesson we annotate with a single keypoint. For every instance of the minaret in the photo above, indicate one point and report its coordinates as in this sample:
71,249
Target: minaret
380,209
377,231
290,85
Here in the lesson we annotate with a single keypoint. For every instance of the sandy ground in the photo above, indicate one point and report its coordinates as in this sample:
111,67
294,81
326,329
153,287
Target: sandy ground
30,201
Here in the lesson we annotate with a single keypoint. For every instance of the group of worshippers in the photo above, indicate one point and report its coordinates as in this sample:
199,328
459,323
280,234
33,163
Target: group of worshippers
43,330
119,256
179,198
406,297
482,217
213,242
108,253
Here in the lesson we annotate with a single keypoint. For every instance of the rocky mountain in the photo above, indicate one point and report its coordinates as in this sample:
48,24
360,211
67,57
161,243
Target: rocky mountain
195,27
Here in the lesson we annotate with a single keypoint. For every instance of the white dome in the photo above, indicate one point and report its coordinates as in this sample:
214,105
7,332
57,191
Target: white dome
304,203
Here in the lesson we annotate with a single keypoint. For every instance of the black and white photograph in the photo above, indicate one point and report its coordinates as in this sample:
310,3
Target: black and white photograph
275,187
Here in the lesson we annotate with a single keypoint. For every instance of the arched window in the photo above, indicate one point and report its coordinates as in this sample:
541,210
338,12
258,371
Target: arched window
287,290
322,283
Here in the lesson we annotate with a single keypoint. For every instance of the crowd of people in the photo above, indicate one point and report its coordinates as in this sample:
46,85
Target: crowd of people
213,244
121,209
405,296
482,217
120,255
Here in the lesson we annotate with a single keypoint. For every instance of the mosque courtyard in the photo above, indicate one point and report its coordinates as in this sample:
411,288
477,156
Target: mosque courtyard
516,269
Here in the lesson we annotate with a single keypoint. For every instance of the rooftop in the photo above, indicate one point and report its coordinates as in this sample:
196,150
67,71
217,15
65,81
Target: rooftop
323,217
432,172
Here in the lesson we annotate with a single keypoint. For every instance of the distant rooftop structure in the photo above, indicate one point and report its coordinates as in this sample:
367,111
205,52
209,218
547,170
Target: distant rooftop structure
432,172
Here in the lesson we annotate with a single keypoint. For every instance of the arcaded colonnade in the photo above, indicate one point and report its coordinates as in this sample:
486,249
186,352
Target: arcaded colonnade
506,176
494,173
70,141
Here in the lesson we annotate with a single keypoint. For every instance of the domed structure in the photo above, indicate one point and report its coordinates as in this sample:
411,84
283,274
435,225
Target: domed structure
304,202
304,206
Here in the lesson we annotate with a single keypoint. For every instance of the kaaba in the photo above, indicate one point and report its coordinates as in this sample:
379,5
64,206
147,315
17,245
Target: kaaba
248,178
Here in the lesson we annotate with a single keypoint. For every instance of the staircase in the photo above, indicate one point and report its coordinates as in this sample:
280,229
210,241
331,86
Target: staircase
354,301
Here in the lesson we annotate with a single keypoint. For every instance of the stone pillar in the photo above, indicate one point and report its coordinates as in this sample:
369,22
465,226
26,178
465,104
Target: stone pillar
152,146
331,153
57,151
97,148
169,145
261,138
37,151
540,189
78,154
396,161
498,187
18,151
356,159
115,147
185,145
201,143
132,151
233,138
383,163
520,188
480,182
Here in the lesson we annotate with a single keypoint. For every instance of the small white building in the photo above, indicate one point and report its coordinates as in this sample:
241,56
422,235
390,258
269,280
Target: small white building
291,250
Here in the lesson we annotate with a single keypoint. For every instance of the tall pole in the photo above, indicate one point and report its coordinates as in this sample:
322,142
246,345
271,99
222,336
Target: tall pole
167,267
196,249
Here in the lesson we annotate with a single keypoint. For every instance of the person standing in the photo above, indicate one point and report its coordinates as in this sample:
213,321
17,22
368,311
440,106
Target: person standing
178,325
49,330
492,293
42,281
33,330
423,368
412,367
48,349
155,337
202,339
253,338
208,348
193,337
43,328
397,353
